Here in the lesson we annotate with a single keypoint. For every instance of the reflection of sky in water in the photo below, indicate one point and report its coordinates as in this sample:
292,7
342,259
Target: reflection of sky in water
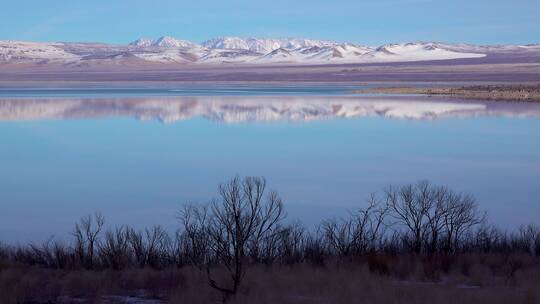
163,89
138,173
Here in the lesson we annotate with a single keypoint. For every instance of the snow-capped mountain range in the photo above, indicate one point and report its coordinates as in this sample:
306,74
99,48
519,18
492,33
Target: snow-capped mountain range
168,50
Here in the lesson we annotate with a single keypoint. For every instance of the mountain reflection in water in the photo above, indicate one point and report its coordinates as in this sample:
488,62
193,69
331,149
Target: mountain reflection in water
233,109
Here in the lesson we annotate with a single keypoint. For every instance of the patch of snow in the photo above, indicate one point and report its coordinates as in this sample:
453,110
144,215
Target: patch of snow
167,56
34,51
419,51
227,56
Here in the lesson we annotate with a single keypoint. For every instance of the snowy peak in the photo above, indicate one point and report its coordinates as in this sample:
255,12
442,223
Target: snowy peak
263,45
143,42
169,42
344,51
164,42
233,43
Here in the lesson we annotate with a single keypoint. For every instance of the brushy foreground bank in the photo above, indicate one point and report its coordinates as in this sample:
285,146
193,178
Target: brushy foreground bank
416,243
475,278
529,93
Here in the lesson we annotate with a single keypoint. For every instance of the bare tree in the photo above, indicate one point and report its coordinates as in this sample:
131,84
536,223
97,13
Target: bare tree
437,197
138,246
410,206
372,223
87,233
460,216
157,242
234,227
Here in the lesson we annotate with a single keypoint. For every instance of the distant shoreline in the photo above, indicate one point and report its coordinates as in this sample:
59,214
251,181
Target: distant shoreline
488,70
525,93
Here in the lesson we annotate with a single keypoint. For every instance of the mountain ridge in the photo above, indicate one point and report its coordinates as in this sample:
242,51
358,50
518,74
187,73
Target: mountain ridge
236,50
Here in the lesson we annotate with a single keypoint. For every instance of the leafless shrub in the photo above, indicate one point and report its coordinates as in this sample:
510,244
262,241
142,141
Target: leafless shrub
151,247
51,254
4,251
315,248
291,244
114,250
434,218
361,232
194,239
530,236
157,247
488,238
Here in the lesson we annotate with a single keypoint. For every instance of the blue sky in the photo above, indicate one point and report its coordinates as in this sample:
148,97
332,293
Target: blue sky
368,22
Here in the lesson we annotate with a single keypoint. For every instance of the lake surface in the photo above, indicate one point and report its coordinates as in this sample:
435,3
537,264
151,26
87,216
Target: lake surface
137,154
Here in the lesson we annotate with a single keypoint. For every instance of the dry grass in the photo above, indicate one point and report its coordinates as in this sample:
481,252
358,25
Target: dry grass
369,279
488,92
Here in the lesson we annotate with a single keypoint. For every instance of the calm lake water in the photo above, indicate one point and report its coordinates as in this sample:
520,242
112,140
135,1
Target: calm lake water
137,154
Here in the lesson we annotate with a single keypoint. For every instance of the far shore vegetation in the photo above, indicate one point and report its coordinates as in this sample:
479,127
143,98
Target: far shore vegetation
527,93
414,243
